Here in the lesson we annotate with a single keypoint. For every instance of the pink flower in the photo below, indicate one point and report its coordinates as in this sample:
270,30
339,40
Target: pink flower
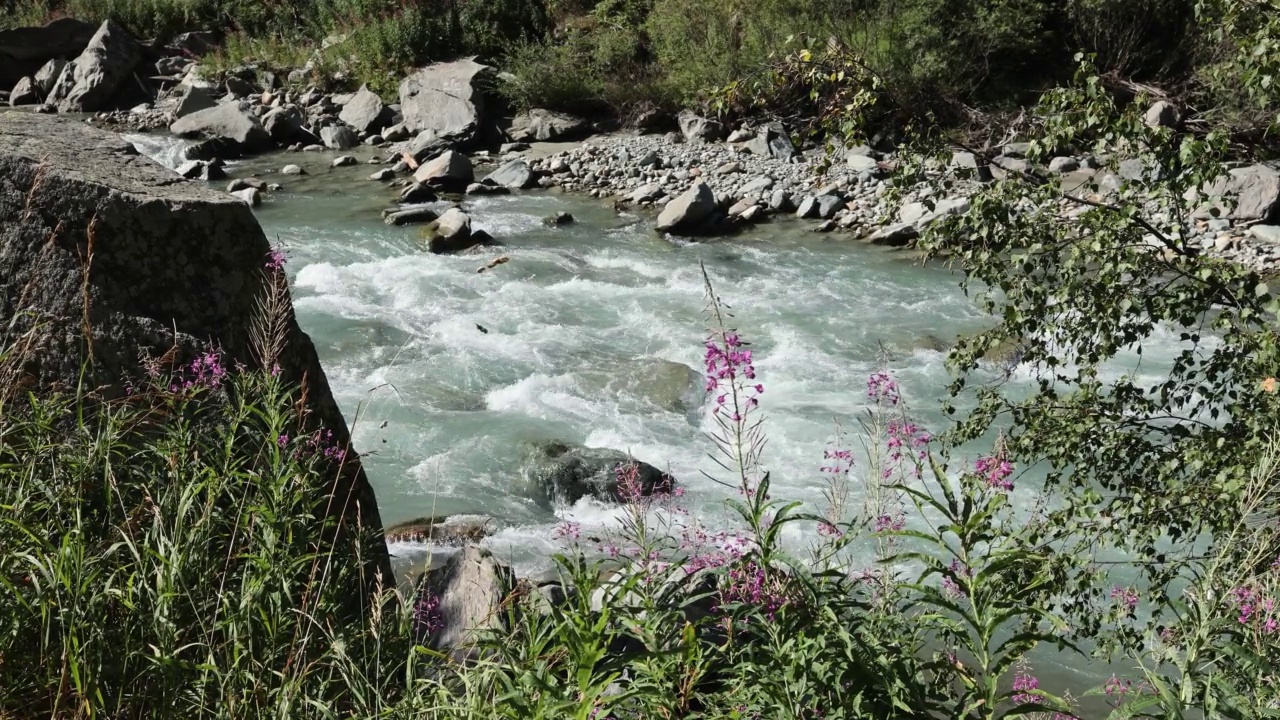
1126,597
1025,687
275,260
883,389
995,472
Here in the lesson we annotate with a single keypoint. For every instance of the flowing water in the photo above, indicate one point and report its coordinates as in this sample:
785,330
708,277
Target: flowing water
448,374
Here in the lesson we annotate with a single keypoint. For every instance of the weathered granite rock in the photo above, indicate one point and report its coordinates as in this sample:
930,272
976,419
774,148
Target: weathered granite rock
446,98
450,171
24,50
338,137
543,125
48,75
461,600
90,82
176,267
696,128
24,93
688,211
230,125
515,174
365,112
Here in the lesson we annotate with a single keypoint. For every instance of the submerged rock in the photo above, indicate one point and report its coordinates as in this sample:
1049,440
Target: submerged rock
566,473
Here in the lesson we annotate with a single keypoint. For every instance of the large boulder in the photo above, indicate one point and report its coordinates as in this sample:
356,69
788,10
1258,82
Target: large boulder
450,171
543,125
365,112
451,232
192,99
231,125
90,82
48,75
1256,190
338,137
286,124
697,128
177,270
689,211
24,93
515,174
24,50
567,473
461,601
447,98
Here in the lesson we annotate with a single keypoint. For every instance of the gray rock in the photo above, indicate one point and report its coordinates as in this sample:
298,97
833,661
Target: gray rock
515,174
650,159
374,140
780,201
24,50
1162,114
565,473
48,75
1016,149
286,124
90,82
383,175
1266,233
410,216
911,212
894,235
196,43
246,182
426,145
365,112
729,168
450,233
543,125
559,219
450,171
157,239
396,133
230,125
451,531
192,100
808,207
777,142
240,88
253,196
696,128
1132,169
1219,224
1063,165
24,93
964,160
481,188
417,193
461,602
338,137
861,163
756,187
343,161
829,205
646,193
172,66
292,170
202,170
751,213
446,98
1012,164
742,206
1256,189
688,211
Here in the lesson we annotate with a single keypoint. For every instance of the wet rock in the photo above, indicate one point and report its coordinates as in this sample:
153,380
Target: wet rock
646,193
383,175
410,216
487,188
247,182
1063,165
450,233
566,473
286,124
1162,114
417,193
829,205
202,170
558,220
454,530
253,196
396,133
343,161
292,170
894,235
